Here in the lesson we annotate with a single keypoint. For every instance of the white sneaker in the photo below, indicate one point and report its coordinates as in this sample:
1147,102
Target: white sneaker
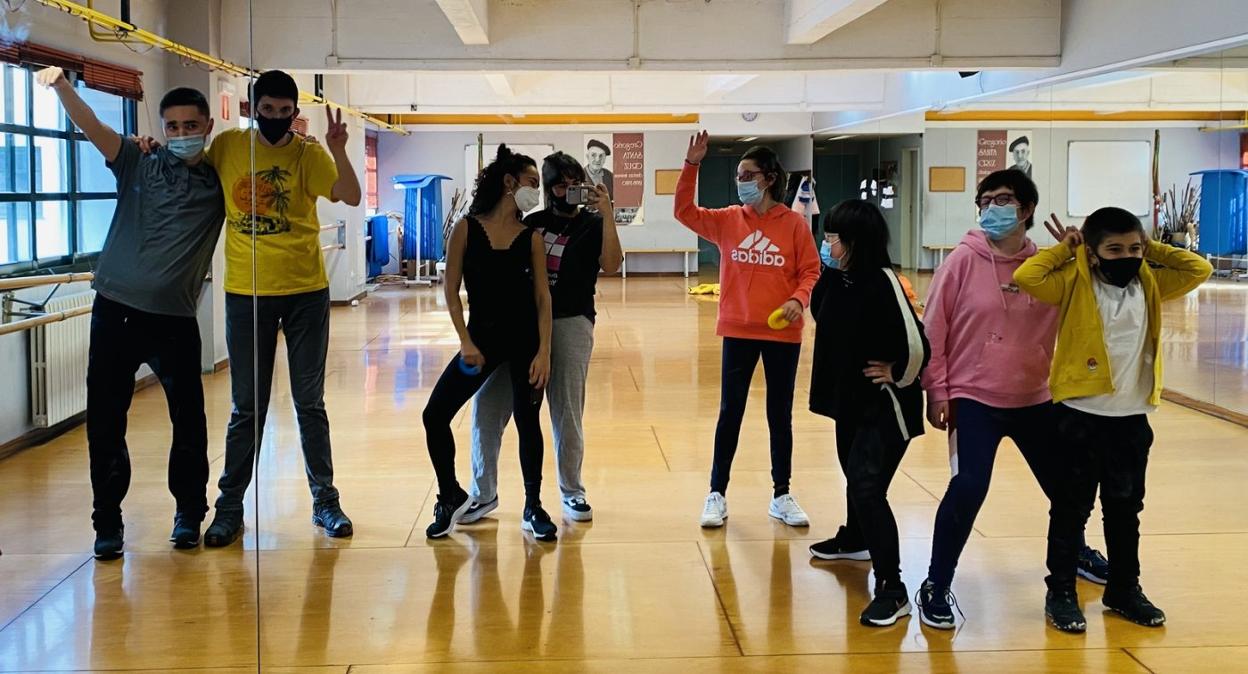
715,511
786,509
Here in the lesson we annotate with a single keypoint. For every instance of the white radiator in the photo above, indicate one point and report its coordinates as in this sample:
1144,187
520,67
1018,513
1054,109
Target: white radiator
58,363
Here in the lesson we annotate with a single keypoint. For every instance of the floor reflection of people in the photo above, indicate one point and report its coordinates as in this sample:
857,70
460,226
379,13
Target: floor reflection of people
318,606
567,611
111,617
780,600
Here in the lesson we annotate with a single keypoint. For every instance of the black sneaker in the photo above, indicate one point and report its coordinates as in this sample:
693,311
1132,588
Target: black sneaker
838,547
1134,606
446,512
185,532
1093,566
577,509
537,522
329,516
224,530
936,606
891,603
1061,607
108,544
476,511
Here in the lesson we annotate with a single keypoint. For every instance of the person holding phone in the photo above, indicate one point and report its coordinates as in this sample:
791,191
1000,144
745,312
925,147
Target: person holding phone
578,243
503,264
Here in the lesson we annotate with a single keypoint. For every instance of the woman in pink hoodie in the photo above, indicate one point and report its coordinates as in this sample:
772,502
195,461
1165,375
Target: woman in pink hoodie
768,265
988,378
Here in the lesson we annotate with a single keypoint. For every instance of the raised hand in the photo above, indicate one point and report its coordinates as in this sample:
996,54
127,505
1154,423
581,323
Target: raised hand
147,144
336,133
50,77
1070,236
697,147
602,199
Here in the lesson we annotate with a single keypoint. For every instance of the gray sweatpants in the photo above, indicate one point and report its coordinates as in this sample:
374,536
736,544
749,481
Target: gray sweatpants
572,341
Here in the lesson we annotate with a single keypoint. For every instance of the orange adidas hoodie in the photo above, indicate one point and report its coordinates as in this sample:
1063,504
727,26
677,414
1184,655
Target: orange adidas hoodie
764,261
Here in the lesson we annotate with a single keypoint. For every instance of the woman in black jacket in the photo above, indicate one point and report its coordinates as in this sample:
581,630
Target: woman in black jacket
869,351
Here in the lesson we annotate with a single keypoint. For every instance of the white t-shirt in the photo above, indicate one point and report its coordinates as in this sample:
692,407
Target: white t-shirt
1124,322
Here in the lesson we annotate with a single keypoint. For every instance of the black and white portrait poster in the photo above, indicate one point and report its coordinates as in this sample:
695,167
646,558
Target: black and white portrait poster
599,162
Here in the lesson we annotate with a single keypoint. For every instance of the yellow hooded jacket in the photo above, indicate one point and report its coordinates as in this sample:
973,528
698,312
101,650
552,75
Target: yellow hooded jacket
1081,361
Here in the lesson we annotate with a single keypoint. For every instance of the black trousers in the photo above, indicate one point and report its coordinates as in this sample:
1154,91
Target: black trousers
740,357
870,451
1110,453
123,339
455,388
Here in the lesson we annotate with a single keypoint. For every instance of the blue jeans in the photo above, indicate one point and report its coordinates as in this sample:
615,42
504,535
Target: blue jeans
304,320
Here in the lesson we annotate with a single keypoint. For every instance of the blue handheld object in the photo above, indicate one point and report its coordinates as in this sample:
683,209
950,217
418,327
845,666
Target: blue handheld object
467,369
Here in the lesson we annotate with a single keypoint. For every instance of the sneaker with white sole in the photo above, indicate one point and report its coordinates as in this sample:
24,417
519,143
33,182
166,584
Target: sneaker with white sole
577,509
478,510
786,509
715,511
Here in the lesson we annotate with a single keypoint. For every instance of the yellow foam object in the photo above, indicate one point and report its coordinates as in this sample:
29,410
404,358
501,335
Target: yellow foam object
705,289
777,321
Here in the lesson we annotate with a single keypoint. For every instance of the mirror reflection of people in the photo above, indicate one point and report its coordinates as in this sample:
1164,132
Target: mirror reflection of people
596,172
1021,151
274,210
147,291
578,244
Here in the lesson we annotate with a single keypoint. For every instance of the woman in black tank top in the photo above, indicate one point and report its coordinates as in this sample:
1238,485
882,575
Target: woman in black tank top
503,265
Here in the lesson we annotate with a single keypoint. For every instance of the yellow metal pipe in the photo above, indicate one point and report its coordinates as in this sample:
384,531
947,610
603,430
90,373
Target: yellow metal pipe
136,34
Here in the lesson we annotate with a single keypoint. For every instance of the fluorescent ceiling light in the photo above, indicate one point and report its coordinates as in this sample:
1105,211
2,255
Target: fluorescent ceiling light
747,139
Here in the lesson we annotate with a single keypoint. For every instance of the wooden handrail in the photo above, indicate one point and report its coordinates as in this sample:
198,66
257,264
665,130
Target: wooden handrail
28,323
32,281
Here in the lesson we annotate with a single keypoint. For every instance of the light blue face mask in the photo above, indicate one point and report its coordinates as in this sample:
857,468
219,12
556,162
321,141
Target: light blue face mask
999,222
749,192
825,254
185,147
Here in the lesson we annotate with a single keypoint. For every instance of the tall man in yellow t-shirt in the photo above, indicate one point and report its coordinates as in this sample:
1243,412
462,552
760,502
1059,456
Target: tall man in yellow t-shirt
275,280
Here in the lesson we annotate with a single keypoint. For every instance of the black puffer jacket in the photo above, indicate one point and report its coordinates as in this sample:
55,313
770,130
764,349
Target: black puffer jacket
859,317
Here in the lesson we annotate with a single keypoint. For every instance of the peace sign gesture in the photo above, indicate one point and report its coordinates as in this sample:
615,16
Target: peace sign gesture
697,147
1070,236
336,130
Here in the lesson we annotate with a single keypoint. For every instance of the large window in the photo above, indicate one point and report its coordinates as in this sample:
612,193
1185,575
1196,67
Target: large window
56,194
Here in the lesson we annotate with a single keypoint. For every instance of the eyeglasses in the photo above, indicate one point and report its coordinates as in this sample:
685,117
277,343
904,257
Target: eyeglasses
746,176
999,200
832,239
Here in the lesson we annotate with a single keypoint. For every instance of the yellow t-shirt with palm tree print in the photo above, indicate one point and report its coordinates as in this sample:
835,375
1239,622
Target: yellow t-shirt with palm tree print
276,205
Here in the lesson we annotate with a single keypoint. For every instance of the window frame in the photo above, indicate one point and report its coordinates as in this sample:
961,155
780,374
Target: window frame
74,260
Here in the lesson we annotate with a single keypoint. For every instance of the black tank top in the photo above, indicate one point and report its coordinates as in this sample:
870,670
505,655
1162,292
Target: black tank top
502,314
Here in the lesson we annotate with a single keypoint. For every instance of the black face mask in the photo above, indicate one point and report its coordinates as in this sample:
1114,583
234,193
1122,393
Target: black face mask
1121,271
274,129
561,204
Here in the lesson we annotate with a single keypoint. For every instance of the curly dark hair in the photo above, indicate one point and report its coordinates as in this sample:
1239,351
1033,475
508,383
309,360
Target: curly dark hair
490,185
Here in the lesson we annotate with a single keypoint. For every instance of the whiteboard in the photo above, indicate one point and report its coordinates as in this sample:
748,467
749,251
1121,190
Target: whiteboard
537,152
1109,173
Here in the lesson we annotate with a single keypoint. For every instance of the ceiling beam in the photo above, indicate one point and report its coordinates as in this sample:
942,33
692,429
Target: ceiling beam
469,18
809,21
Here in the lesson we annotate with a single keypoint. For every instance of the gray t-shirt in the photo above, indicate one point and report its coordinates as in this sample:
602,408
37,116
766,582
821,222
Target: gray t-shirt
160,243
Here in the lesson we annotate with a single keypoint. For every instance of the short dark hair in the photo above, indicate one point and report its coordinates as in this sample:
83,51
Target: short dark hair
1018,182
1109,220
490,185
863,231
1021,140
769,163
598,144
274,84
557,167
185,96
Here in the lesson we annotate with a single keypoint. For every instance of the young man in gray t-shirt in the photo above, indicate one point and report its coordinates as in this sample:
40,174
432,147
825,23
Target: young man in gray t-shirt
148,281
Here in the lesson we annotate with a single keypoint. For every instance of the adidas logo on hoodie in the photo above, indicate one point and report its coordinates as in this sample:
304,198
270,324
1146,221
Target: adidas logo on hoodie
758,249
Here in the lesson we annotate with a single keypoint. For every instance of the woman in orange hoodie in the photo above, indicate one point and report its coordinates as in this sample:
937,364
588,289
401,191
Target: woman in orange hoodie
768,266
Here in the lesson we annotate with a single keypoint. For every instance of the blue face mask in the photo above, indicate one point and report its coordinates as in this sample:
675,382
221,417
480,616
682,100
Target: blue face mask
999,221
185,147
825,254
749,193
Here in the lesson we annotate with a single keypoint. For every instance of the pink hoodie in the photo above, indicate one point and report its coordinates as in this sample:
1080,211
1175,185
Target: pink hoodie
990,342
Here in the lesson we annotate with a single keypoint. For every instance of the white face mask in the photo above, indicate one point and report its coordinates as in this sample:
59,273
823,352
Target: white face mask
527,198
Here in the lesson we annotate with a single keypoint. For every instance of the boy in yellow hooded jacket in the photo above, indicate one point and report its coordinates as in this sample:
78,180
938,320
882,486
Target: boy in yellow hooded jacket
1106,377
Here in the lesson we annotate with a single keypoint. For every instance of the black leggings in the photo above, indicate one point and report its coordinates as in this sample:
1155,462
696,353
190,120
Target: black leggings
780,369
453,390
870,452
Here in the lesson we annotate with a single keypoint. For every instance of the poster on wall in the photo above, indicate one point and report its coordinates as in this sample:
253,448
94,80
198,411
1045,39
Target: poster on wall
617,161
997,150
